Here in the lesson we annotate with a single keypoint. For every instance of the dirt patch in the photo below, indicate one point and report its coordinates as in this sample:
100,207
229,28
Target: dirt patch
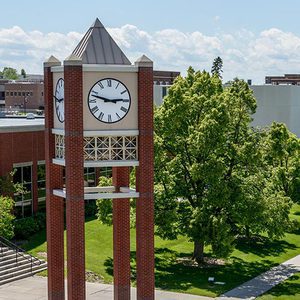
208,262
93,277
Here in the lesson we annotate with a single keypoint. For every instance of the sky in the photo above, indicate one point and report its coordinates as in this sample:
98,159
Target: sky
254,38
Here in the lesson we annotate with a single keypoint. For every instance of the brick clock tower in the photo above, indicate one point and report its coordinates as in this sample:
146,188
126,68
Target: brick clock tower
99,113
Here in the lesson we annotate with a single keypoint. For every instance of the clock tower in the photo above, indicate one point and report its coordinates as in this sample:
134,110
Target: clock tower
99,113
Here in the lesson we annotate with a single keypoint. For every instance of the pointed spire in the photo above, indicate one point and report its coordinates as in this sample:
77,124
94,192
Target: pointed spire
52,61
144,61
97,24
98,47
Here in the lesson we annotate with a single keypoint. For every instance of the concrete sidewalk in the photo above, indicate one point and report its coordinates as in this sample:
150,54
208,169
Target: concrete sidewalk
35,288
264,282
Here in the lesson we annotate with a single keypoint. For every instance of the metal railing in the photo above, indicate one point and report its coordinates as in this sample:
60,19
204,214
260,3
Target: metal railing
20,253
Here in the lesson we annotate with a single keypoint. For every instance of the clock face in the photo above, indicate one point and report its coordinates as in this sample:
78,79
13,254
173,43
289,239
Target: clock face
59,100
109,100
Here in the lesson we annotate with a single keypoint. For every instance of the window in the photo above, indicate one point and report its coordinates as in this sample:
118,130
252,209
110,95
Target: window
106,172
89,177
19,94
23,198
23,94
7,93
11,93
164,91
41,183
15,93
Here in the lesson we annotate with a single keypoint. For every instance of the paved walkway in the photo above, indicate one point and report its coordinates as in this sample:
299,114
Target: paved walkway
35,288
264,282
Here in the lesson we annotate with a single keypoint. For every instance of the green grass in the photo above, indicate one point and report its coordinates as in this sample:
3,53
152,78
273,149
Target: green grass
287,290
246,262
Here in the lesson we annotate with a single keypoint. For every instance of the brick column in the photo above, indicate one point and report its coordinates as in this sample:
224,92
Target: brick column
74,178
54,205
144,183
121,236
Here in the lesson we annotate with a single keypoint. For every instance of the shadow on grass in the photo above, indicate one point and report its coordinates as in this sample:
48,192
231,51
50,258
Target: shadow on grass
35,241
287,288
171,275
264,247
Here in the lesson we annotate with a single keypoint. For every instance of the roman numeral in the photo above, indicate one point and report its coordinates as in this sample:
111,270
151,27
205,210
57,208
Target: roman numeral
101,115
94,109
108,82
123,92
101,85
124,109
109,118
117,85
118,116
125,100
94,93
92,100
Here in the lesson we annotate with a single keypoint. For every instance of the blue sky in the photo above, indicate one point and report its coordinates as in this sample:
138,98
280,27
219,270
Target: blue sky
254,38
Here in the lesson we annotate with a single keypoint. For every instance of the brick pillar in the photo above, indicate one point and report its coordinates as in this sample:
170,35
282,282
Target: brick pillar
121,236
74,179
144,183
54,205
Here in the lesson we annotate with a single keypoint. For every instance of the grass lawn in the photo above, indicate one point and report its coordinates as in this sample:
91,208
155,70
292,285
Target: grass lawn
247,261
288,290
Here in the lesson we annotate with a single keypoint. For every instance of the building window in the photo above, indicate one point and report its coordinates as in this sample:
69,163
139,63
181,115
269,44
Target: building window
41,184
89,177
164,91
15,94
19,94
7,93
23,198
11,93
106,172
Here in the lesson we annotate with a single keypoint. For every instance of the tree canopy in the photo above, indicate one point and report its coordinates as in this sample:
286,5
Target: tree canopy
210,170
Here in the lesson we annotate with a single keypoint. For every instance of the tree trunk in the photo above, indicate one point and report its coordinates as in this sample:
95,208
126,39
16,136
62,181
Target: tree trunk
198,254
247,232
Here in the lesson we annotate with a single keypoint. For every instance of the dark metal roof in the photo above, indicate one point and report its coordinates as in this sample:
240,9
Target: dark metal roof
98,47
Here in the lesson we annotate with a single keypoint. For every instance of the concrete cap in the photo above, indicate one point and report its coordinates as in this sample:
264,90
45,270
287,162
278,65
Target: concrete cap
144,61
73,60
51,62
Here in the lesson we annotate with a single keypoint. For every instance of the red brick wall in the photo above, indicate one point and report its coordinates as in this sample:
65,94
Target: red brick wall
74,182
54,204
144,177
121,237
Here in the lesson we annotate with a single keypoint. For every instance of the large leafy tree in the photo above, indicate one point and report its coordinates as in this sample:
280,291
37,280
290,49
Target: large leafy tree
10,73
210,172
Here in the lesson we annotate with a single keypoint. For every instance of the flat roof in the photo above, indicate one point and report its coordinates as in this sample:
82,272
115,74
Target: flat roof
21,124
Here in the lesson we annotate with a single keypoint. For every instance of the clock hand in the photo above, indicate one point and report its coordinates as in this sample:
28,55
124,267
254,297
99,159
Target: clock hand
102,98
59,100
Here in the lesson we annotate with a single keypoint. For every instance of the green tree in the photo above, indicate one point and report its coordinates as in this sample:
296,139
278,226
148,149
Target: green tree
6,217
209,167
10,73
23,73
282,153
217,67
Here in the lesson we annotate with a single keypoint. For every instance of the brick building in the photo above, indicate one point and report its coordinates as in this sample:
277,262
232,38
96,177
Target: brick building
24,95
287,79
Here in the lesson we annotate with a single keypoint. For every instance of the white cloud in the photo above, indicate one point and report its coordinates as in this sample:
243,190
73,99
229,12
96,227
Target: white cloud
244,54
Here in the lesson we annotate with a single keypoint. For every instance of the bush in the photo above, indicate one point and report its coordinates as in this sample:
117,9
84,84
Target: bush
26,227
6,217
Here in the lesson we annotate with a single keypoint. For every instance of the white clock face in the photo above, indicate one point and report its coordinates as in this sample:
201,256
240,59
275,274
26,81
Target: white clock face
59,100
109,100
